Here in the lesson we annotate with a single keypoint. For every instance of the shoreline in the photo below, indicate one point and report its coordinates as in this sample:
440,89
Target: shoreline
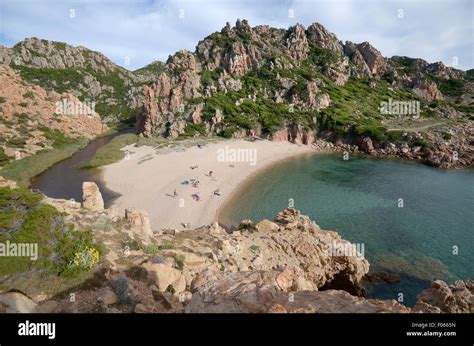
224,221
168,177
149,178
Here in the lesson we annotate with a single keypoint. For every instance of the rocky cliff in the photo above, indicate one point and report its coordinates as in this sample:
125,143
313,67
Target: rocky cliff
302,83
296,84
34,119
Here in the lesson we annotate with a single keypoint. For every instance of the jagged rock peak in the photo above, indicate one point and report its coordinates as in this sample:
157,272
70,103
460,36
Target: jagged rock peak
243,26
183,59
320,35
297,42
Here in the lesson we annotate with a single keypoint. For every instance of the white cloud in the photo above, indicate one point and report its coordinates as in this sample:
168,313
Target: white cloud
146,30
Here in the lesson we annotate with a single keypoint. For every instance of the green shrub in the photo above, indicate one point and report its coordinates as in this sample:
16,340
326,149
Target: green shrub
29,95
179,259
121,289
254,248
171,289
451,87
394,136
23,219
17,142
4,158
447,136
167,245
58,138
422,143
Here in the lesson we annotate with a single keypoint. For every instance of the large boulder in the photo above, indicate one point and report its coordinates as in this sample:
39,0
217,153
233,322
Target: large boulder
440,297
365,144
92,198
165,277
139,223
7,183
15,302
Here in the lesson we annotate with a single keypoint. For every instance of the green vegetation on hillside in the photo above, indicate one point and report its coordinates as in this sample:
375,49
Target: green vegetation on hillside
451,87
57,137
61,80
354,107
154,68
4,158
72,80
61,250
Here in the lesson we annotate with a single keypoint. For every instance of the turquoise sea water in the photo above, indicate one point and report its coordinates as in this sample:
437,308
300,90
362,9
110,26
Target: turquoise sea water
359,199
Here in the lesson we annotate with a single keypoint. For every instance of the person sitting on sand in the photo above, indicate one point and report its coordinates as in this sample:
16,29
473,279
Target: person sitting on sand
210,173
175,193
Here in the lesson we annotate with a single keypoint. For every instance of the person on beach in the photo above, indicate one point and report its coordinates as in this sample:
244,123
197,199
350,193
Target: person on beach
210,173
217,192
175,193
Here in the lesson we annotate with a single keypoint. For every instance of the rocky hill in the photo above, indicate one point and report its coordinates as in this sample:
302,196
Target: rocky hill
302,83
86,74
295,84
33,119
121,265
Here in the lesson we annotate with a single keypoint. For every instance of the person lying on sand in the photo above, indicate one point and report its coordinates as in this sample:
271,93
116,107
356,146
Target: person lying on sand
217,192
194,167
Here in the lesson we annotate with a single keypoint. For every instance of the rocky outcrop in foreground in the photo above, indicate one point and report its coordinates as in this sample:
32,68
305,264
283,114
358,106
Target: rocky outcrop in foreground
442,297
285,265
273,291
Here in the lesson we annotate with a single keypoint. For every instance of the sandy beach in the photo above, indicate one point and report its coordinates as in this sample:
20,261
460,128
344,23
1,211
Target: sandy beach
163,182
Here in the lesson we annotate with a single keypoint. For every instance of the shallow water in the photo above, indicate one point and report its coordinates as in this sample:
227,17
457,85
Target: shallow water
360,198
65,178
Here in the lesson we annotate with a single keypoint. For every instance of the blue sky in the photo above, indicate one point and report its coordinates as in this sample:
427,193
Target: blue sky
141,31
